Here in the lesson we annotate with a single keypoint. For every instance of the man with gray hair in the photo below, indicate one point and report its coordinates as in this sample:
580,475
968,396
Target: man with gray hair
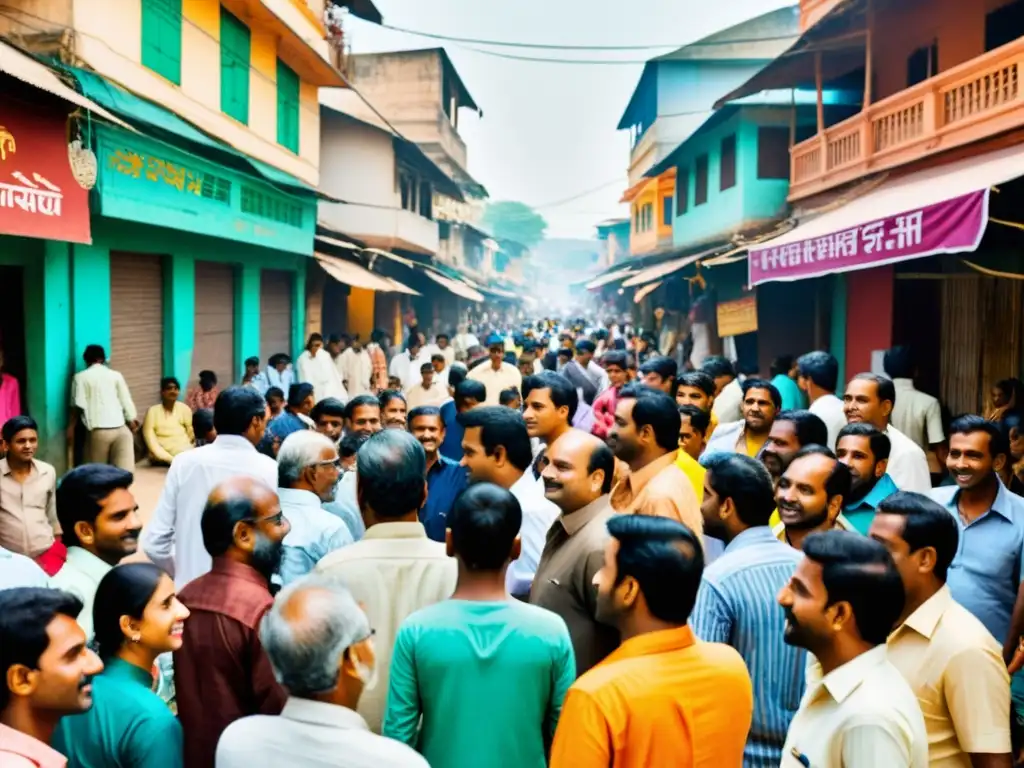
319,643
394,569
308,469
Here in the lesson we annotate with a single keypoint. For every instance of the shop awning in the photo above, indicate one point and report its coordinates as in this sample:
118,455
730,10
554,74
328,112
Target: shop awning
938,210
359,277
609,277
644,292
457,287
665,269
23,67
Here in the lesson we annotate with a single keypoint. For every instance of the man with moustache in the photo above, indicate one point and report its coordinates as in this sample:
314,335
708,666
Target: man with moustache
101,525
577,479
445,478
45,673
810,495
221,672
790,432
865,451
841,604
760,404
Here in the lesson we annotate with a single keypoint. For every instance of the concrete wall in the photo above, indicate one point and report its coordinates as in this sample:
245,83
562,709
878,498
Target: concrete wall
357,161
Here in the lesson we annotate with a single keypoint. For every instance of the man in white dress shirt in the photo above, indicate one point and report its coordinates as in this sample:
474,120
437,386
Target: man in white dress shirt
858,710
320,644
496,375
173,539
406,365
316,367
496,449
355,368
869,399
818,376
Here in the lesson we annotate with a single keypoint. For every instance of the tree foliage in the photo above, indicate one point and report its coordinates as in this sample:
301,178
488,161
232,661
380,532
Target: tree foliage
515,221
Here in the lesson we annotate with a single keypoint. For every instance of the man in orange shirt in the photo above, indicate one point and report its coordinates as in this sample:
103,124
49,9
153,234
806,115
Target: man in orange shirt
663,698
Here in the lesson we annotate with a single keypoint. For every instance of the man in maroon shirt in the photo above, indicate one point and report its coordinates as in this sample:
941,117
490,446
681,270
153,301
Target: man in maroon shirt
222,673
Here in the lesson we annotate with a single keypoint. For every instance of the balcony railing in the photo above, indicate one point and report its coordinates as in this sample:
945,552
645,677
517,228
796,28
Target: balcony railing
978,99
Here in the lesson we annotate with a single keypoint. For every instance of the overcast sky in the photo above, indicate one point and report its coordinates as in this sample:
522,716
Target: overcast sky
548,130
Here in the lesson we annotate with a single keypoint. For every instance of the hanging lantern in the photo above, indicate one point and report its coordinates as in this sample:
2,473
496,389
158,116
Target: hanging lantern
81,158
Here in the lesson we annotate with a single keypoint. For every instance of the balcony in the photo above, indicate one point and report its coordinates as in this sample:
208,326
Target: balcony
813,11
979,99
384,228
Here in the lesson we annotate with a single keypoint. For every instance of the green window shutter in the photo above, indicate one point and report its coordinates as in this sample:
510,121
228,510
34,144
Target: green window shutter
235,46
287,107
161,38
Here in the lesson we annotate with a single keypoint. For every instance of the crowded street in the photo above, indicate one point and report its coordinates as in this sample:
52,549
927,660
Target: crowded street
318,449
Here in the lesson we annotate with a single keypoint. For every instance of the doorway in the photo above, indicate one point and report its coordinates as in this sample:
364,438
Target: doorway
12,326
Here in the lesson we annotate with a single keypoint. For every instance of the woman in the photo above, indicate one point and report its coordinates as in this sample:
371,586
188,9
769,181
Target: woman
205,394
1012,474
136,618
1006,395
167,428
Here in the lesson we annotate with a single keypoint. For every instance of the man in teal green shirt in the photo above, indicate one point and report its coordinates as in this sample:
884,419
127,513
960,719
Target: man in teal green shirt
480,653
865,450
784,378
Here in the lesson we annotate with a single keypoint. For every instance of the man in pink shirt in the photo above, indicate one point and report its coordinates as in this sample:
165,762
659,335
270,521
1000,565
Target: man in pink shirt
45,673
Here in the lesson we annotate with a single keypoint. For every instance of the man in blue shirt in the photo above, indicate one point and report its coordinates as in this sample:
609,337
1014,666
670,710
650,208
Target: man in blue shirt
865,450
294,418
445,478
736,602
466,394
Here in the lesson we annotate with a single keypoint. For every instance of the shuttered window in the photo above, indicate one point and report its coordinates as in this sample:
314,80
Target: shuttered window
772,153
700,181
161,38
287,107
235,43
727,176
682,191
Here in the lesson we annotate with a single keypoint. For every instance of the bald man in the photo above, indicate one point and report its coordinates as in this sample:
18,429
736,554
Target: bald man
578,480
222,673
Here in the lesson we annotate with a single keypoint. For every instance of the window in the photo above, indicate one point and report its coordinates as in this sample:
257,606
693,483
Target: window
666,211
235,44
682,190
700,182
1004,25
426,200
407,189
923,63
636,218
161,38
648,216
727,175
773,153
287,107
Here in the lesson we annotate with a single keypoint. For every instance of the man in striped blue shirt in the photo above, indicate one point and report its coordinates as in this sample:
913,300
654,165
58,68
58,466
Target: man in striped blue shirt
736,602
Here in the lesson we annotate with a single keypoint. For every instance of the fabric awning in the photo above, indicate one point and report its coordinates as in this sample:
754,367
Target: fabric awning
644,292
457,287
23,67
938,210
609,277
666,268
359,277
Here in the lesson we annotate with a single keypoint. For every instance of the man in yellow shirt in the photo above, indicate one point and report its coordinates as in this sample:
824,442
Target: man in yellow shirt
698,388
693,426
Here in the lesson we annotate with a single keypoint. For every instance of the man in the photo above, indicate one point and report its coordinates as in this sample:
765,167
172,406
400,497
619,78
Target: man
204,393
818,378
173,538
28,497
736,603
728,393
660,373
442,673
277,375
356,369
295,418
527,365
427,391
465,395
445,478
496,449
986,573
45,670
869,399
693,429
791,431
785,372
447,350
695,388
661,698
275,406
577,479
250,378
585,350
915,414
221,672
316,367
406,365
496,374
329,417
761,401
362,415
842,602
464,341
810,495
101,526
337,344
952,663
320,644
646,438
865,451
549,408
101,402
615,365
308,474
395,569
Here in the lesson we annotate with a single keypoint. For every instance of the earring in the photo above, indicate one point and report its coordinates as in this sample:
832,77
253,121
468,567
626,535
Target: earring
136,638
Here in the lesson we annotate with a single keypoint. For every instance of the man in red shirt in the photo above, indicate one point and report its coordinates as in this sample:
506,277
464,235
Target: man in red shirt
222,673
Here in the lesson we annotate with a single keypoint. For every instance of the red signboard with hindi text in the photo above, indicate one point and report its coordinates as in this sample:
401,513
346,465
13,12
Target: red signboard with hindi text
39,196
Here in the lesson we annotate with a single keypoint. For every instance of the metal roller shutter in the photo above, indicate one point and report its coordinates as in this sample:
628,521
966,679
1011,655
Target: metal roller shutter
276,292
137,324
215,323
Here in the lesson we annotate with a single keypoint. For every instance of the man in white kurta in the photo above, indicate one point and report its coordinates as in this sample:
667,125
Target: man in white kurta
316,366
356,369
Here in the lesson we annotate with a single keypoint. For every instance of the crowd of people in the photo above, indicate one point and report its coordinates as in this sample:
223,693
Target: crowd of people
523,546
